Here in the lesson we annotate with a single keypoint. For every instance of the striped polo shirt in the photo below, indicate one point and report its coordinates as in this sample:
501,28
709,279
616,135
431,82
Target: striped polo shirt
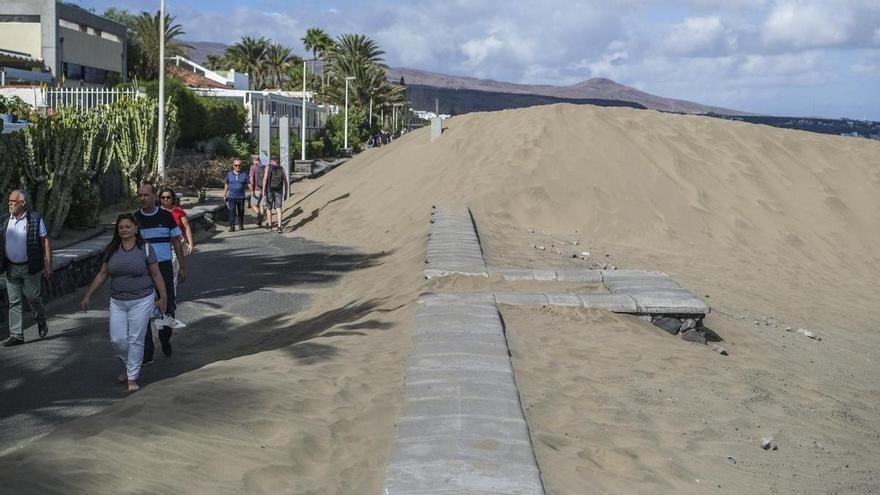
158,228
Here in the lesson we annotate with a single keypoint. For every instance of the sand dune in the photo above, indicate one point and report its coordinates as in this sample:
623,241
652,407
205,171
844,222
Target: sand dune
763,222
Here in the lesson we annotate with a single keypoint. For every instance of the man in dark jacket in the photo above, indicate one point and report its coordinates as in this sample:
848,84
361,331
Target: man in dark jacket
27,253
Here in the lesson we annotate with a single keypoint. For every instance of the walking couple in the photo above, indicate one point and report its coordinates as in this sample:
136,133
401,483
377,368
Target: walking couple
268,186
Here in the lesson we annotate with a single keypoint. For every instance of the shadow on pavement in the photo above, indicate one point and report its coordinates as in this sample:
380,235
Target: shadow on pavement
240,293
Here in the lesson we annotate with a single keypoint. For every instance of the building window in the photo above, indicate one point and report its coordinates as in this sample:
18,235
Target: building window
110,37
74,72
93,75
69,25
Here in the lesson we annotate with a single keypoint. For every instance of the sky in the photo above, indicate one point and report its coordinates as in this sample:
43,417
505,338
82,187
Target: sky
779,57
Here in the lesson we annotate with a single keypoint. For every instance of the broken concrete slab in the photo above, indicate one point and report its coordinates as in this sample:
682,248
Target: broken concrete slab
670,304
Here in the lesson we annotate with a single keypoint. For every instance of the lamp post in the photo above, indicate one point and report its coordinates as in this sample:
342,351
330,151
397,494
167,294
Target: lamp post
302,120
161,144
349,78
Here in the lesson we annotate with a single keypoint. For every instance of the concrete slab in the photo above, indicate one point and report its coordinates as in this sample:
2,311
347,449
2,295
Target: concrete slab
544,275
458,477
521,299
462,429
513,275
446,426
670,304
472,362
616,303
587,276
571,300
453,247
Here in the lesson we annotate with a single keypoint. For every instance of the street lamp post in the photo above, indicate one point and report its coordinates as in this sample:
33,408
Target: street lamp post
161,144
349,78
302,120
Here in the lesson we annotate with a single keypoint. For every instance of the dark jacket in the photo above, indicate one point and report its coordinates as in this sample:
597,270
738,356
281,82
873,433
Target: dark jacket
35,252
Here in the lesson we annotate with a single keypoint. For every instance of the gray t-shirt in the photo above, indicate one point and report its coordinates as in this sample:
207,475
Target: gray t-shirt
130,273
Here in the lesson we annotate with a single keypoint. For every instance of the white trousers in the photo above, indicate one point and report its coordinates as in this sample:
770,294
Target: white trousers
128,327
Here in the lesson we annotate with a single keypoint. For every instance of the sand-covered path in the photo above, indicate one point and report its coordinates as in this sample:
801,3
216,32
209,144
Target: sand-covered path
240,285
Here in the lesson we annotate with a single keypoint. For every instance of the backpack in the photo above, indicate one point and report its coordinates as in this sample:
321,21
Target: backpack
276,179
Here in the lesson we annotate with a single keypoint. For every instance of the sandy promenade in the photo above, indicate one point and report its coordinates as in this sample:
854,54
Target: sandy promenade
765,224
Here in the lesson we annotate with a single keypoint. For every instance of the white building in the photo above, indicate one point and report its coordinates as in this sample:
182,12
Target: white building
49,41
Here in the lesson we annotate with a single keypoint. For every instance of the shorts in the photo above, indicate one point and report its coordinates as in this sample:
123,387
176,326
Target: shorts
258,200
275,199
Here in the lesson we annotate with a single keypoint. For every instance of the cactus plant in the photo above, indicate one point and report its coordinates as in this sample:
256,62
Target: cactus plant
57,153
135,147
54,157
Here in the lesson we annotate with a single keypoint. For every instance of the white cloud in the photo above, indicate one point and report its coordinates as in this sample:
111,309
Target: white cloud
477,50
779,65
699,36
803,26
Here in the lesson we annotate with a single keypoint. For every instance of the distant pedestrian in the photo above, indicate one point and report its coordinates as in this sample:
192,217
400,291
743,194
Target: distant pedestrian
233,192
135,281
27,253
258,199
171,203
157,227
275,186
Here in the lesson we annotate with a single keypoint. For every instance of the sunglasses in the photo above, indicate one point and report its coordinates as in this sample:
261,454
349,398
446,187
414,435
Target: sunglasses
165,197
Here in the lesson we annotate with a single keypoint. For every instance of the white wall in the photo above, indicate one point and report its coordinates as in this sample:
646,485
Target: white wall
21,37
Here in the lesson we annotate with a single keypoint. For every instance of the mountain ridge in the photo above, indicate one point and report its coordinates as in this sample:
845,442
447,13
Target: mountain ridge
595,88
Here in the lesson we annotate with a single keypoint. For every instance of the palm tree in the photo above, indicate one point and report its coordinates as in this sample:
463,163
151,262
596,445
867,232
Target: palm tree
249,55
352,51
277,64
146,31
319,43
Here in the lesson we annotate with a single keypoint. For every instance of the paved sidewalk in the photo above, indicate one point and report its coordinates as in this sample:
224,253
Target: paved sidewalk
240,286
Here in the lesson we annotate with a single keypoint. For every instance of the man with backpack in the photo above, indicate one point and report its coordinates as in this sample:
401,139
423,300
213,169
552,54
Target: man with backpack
258,199
275,187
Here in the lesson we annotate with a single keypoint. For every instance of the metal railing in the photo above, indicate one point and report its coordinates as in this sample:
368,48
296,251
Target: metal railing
84,98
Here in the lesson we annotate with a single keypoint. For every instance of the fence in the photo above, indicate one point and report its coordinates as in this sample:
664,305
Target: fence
85,98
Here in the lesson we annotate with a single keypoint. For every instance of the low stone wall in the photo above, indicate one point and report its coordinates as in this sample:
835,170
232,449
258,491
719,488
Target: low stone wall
309,169
76,266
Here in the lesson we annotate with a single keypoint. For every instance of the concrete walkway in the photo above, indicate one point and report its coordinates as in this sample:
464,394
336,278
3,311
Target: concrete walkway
462,429
453,246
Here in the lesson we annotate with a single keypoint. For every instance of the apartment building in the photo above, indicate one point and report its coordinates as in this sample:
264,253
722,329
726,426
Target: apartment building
67,42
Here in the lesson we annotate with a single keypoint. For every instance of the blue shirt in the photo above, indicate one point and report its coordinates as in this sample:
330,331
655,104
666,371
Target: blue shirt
158,228
237,183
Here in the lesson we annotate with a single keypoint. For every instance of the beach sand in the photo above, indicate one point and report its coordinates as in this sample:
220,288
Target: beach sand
765,224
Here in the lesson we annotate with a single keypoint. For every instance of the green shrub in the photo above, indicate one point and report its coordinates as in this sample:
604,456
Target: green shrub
85,205
334,132
201,118
235,146
315,149
16,107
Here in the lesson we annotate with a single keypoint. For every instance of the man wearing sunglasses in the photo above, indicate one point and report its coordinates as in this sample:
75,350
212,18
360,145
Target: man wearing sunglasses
27,253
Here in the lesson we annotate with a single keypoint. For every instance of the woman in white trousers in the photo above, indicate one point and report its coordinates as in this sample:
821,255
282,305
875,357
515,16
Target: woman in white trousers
135,281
